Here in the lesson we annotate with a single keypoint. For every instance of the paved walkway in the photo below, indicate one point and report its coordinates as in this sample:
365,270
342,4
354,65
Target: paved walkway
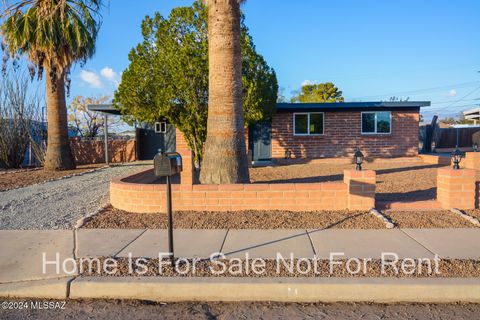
22,251
58,204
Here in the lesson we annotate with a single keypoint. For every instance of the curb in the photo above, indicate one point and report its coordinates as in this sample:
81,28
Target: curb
47,289
382,290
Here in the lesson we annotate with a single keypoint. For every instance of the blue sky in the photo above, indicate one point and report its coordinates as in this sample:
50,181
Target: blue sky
371,49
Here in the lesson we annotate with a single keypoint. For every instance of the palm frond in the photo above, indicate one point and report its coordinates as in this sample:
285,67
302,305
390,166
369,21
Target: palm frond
53,32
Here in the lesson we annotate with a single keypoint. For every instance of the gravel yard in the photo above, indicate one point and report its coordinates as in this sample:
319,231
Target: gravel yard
12,179
111,218
428,219
58,204
273,268
473,213
396,181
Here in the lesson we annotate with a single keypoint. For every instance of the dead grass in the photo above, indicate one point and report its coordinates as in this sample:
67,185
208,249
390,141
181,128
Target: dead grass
23,178
428,219
396,181
111,218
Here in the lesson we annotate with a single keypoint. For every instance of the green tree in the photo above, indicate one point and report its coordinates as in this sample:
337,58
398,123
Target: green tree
168,76
321,92
53,35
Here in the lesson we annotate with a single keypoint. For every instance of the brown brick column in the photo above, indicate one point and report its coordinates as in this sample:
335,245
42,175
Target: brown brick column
472,160
187,175
360,189
456,188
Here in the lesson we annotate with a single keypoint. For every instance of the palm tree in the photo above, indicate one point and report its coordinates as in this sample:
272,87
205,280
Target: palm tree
53,34
224,158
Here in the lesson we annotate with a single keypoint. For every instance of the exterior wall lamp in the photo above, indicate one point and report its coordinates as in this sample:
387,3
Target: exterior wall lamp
358,159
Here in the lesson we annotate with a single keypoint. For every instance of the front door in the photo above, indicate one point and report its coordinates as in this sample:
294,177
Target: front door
260,141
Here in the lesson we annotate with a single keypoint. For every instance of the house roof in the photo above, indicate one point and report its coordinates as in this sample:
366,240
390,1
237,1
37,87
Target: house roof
326,106
472,114
352,106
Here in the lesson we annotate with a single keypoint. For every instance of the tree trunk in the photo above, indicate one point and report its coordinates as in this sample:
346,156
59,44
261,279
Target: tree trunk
59,156
224,157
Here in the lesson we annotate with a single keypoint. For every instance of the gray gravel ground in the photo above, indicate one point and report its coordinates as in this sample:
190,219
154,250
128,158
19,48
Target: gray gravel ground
101,309
58,204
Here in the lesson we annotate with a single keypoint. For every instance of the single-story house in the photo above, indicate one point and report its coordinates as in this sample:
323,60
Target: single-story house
315,130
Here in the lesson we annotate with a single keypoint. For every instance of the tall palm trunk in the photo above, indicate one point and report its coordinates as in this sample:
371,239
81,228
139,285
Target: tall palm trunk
224,157
59,156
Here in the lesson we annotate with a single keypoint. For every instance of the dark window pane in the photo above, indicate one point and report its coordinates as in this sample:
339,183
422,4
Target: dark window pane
301,123
316,123
383,122
368,122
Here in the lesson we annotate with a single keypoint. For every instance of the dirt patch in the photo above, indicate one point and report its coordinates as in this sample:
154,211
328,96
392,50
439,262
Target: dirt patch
111,218
23,178
280,268
396,181
428,219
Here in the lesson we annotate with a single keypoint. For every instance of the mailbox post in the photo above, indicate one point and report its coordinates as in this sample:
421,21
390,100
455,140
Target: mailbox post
168,164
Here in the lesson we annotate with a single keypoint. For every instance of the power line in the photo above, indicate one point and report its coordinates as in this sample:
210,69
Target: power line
455,102
412,92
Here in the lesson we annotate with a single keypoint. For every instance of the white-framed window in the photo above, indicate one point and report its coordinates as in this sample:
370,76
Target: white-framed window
308,123
377,122
160,127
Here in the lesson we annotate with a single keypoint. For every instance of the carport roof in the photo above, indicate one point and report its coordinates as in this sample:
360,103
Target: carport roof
105,108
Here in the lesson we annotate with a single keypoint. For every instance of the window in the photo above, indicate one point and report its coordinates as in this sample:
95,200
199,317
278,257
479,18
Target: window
160,127
308,123
376,122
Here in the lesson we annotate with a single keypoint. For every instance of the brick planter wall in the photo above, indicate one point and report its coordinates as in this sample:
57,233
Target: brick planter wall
456,188
472,160
149,198
342,136
360,189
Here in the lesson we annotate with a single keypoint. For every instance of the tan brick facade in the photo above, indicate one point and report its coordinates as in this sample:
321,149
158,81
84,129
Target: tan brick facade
456,188
360,189
342,135
472,160
150,198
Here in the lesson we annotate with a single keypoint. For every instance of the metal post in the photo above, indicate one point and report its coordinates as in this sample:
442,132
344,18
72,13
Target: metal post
105,132
170,220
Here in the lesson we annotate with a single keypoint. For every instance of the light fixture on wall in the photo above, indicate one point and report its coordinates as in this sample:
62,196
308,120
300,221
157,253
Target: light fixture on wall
457,157
358,158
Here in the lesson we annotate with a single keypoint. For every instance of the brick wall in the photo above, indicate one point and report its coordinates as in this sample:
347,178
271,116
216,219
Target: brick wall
149,198
342,136
93,151
456,188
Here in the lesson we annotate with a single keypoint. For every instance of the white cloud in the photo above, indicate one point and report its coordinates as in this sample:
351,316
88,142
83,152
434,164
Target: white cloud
308,82
452,93
109,74
91,78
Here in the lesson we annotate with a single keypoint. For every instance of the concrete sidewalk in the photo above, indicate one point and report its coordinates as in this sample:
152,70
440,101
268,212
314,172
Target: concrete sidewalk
22,252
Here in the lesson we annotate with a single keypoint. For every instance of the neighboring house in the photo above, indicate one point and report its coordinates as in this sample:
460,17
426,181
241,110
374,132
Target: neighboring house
318,130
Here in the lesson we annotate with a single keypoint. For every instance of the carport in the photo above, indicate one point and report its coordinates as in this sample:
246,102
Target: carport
105,109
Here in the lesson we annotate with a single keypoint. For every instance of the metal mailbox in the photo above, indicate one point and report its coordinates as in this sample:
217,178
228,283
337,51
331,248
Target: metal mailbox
167,164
